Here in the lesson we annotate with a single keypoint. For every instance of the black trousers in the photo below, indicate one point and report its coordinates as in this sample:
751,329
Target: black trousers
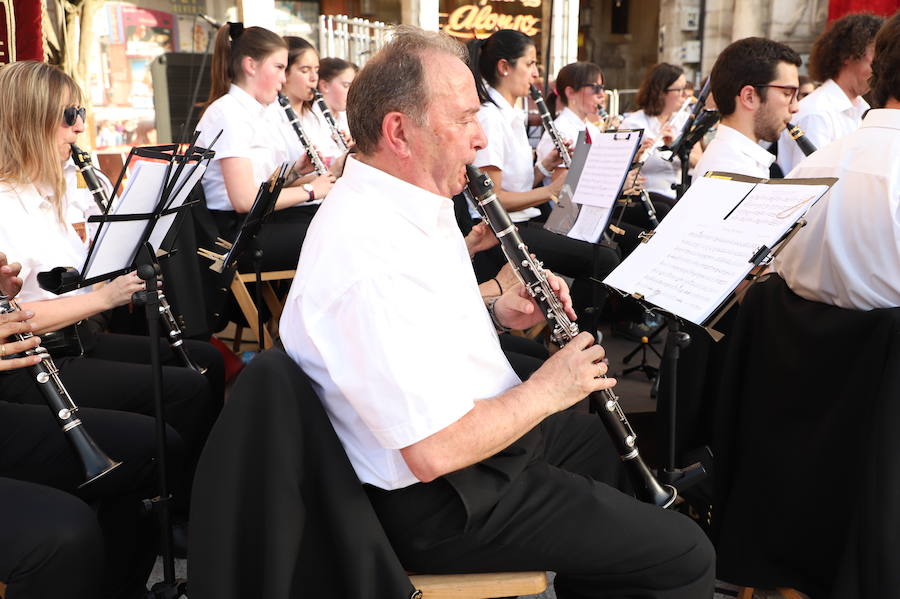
115,374
48,545
280,237
562,513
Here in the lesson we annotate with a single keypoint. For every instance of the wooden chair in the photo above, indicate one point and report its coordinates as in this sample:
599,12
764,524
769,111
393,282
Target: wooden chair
248,306
273,417
480,586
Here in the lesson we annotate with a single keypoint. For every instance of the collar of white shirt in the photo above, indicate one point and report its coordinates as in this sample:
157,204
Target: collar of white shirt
882,118
733,138
833,96
246,101
509,112
425,210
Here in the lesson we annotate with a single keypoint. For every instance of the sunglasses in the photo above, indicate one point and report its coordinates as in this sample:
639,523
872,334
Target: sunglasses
71,114
597,88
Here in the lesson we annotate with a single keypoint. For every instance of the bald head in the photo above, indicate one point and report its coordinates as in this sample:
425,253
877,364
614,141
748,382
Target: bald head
397,79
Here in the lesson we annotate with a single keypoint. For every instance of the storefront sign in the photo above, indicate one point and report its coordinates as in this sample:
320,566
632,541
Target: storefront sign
482,18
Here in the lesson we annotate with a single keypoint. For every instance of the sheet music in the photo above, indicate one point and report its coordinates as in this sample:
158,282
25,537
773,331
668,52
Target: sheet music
606,166
702,249
116,245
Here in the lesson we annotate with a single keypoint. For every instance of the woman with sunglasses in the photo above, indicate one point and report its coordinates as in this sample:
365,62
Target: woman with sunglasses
248,71
504,66
39,120
662,93
580,90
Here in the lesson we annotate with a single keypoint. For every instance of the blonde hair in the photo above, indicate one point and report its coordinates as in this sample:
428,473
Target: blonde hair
33,96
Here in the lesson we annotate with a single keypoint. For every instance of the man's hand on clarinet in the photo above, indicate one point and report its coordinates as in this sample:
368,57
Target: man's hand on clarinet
572,373
516,308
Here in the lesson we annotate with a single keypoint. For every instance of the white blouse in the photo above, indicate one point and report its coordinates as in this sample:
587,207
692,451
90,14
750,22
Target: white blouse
31,234
507,149
569,126
249,130
660,173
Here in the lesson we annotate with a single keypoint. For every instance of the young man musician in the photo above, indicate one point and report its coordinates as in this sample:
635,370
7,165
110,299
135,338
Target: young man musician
848,254
480,472
754,82
842,58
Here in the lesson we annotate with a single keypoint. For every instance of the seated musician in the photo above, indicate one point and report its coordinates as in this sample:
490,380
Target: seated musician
468,468
39,119
504,65
248,71
754,82
52,544
848,254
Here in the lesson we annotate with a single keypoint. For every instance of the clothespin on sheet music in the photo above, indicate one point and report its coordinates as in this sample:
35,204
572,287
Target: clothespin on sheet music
646,236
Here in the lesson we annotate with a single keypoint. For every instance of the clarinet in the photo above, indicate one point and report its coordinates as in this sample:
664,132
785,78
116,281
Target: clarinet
46,376
799,136
82,160
550,126
329,118
531,273
173,334
649,208
292,117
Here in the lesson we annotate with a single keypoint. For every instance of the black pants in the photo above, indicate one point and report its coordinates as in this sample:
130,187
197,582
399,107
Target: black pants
116,374
562,513
280,237
46,541
50,543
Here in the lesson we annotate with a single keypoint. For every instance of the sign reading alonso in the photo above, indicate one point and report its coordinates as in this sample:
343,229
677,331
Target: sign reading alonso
483,17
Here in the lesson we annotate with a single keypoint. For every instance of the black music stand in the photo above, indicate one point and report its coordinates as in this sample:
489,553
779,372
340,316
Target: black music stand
166,183
246,238
677,339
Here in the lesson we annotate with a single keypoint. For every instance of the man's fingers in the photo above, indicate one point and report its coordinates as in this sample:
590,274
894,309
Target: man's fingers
581,341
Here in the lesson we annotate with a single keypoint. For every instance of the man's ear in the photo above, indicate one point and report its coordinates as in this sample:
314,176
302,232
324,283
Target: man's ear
748,97
395,133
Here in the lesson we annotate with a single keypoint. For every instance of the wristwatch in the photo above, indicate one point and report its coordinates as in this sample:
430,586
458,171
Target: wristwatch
309,189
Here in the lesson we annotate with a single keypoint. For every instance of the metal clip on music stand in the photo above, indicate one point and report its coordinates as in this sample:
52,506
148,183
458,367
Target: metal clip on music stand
226,264
116,250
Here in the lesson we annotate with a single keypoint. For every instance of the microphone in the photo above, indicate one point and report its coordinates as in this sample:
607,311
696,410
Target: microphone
210,21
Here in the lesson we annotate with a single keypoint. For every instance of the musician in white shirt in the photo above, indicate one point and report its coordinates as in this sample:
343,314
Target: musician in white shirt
504,66
755,83
662,101
467,467
842,58
247,73
848,254
580,90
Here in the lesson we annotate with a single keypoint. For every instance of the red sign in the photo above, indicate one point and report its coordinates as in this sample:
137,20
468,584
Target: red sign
20,31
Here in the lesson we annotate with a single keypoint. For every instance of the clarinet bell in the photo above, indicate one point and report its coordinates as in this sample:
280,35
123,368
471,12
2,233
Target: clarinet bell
96,463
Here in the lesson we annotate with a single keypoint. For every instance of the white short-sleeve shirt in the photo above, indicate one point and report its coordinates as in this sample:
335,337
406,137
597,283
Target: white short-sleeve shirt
507,148
660,173
356,320
825,115
249,130
848,254
31,234
733,152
